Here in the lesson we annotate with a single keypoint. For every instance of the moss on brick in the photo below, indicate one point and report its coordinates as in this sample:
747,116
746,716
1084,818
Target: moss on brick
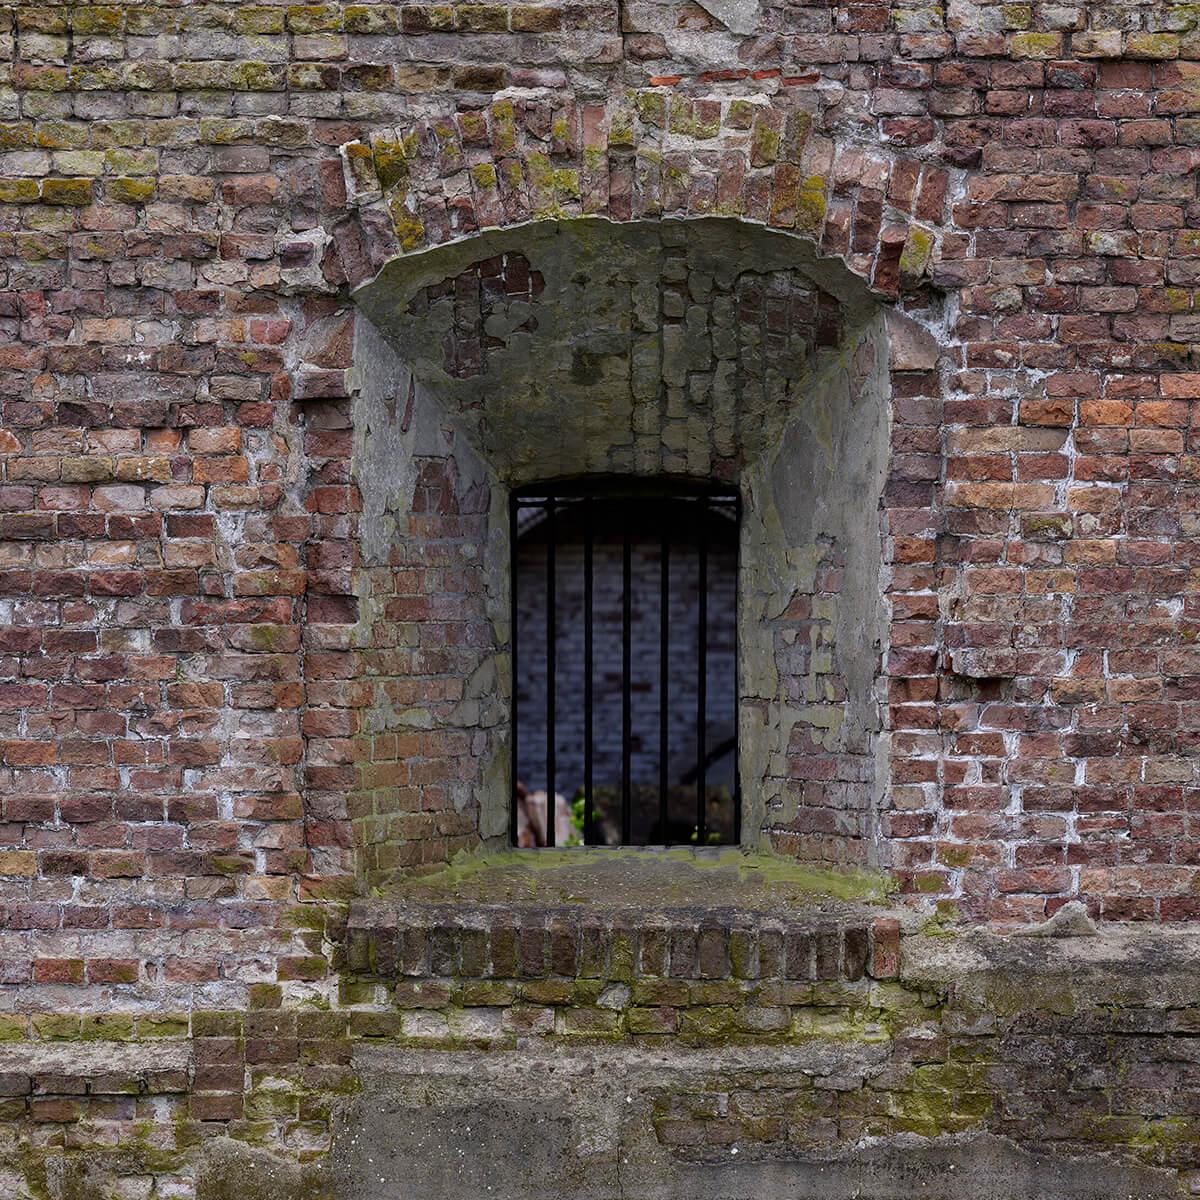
67,191
810,203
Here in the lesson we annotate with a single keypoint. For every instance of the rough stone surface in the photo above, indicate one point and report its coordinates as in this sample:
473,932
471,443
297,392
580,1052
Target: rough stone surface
582,1126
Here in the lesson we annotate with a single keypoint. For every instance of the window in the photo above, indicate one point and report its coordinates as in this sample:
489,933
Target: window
625,665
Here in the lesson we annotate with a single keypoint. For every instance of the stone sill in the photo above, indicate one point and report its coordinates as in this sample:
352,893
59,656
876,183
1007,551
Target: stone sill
626,914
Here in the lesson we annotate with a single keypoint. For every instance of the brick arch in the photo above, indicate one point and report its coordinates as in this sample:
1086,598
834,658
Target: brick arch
644,154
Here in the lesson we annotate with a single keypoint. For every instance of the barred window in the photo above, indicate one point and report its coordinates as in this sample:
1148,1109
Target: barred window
624,665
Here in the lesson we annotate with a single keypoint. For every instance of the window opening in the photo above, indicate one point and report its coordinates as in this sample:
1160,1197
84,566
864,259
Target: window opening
624,665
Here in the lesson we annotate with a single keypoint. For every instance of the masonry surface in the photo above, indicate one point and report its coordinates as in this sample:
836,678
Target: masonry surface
292,296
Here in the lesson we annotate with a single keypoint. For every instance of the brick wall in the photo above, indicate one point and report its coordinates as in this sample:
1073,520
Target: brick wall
170,523
221,714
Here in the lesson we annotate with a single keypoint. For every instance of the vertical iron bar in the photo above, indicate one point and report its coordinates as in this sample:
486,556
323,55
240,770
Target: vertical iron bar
551,666
664,674
702,675
589,834
626,683
512,583
737,658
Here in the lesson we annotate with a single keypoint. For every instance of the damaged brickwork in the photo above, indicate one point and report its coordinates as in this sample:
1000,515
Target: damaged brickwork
291,296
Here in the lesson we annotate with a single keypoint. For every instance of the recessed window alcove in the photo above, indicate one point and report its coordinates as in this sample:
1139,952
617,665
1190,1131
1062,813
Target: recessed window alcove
709,353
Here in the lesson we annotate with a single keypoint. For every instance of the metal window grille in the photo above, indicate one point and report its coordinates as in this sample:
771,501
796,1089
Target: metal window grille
624,662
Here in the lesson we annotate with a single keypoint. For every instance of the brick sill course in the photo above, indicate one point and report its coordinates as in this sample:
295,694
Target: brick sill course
577,913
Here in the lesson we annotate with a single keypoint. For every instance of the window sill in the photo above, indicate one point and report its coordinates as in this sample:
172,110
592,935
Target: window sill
624,915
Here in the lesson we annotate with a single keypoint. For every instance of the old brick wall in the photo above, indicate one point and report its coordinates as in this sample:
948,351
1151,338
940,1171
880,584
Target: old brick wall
195,649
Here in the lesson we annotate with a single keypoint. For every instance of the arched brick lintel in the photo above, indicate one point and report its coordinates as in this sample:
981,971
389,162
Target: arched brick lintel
642,155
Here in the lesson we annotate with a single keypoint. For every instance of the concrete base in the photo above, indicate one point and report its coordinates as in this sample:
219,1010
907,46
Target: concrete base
581,1124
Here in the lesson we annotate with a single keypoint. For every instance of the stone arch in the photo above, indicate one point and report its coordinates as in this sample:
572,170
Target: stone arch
644,154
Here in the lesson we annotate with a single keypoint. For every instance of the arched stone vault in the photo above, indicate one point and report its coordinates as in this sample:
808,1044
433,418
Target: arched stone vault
709,347
643,154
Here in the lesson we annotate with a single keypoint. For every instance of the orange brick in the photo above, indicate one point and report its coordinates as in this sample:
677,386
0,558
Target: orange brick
1162,412
1105,412
1185,385
1000,495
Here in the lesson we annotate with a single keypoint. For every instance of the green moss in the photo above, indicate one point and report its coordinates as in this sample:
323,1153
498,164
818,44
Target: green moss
621,960
811,1022
483,175
1152,45
351,992
18,191
116,1027
481,992
14,1028
67,191
265,995
577,874
933,1114
1174,300
741,114
622,127
914,258
314,18
716,1022
312,916
955,856
254,77
652,108
15,136
566,184
541,185
810,204
548,991
214,1024
1008,994
274,638
798,129
222,131
708,127
361,165
504,128
783,208
1161,1140
58,1027
681,118
408,226
129,161
278,1100
258,19
163,1025
764,144
390,163
1035,45
137,190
